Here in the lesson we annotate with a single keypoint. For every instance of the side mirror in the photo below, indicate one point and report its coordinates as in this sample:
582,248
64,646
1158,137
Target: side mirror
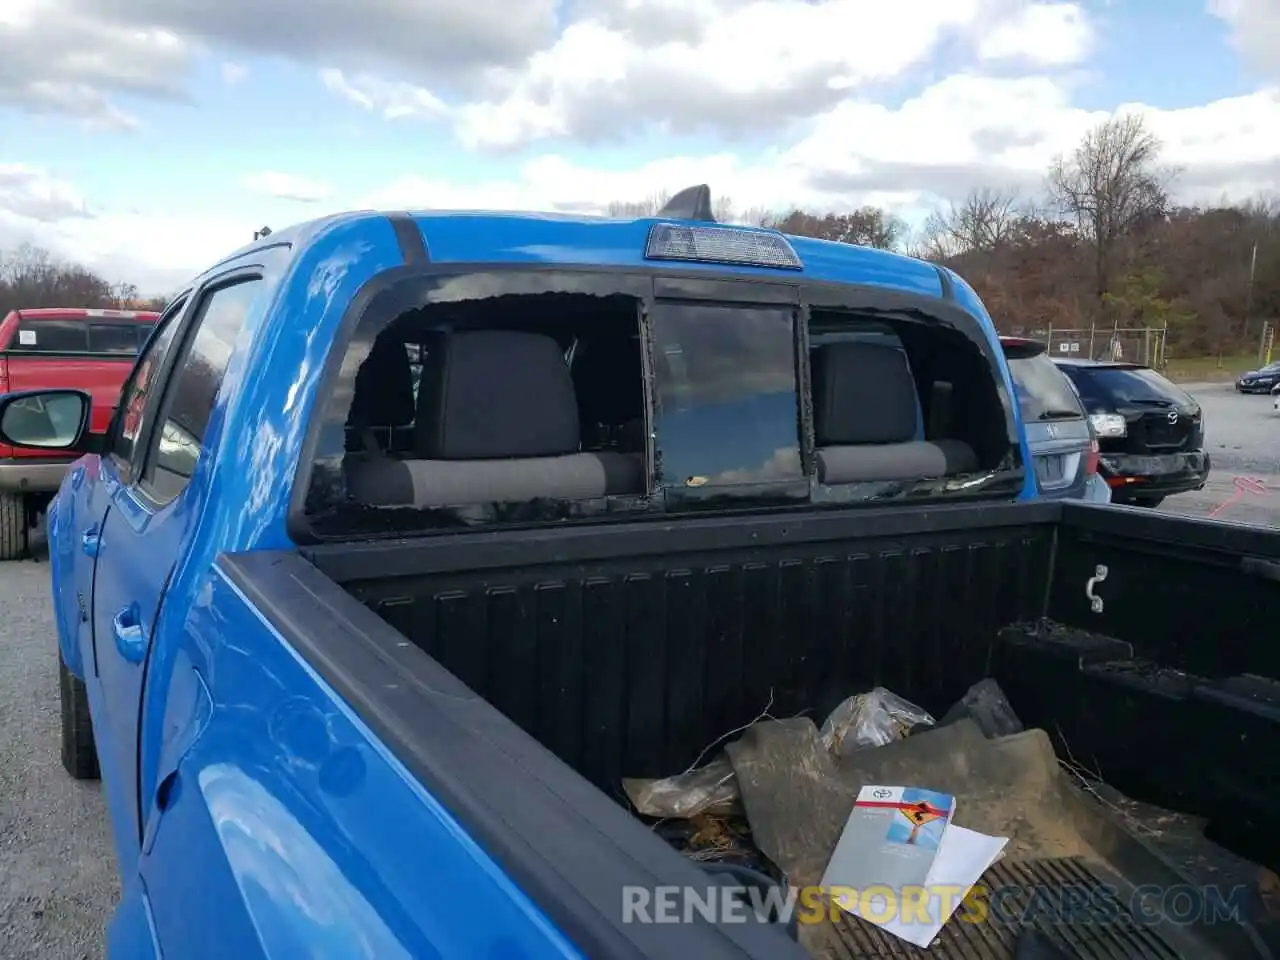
53,420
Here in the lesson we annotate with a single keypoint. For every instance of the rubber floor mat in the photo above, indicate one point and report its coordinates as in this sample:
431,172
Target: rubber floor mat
1075,915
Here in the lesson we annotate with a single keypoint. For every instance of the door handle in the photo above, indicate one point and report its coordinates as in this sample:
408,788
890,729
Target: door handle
90,542
130,640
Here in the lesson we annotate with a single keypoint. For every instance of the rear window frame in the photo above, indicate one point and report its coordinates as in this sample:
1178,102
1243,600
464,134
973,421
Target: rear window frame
398,290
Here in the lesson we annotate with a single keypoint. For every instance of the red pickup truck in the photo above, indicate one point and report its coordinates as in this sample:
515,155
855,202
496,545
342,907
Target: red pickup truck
89,350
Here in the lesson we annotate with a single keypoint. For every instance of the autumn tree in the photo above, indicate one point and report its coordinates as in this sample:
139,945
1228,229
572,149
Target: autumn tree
32,277
1111,184
867,226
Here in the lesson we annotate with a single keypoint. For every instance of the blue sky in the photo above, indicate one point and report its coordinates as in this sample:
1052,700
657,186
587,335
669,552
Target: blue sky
147,137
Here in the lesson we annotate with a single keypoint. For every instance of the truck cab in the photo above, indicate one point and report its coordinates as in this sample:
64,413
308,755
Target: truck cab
415,535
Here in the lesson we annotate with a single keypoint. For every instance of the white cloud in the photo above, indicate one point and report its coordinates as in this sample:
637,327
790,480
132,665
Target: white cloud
32,194
734,68
1255,28
1050,34
286,186
234,74
963,132
156,252
57,56
392,99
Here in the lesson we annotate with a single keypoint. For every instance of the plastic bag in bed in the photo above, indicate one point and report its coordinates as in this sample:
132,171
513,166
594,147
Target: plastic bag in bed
871,719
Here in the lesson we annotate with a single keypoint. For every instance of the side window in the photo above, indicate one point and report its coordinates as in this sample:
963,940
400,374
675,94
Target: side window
193,388
726,390
138,390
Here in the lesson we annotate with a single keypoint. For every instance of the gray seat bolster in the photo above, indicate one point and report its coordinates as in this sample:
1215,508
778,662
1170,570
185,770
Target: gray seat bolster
916,460
443,483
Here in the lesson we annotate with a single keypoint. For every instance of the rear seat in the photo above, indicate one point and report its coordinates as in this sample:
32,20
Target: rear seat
497,420
865,419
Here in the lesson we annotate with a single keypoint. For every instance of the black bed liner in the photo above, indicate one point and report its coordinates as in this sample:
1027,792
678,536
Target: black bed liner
629,648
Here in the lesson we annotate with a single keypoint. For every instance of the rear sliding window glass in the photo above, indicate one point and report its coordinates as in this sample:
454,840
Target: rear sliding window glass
116,339
1122,386
51,336
1044,393
726,394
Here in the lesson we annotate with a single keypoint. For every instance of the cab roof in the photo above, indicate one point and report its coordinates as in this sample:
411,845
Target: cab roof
518,237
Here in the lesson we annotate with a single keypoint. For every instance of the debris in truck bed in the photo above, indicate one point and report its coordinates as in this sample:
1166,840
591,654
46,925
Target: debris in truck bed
796,796
871,719
986,705
709,789
776,798
866,720
707,838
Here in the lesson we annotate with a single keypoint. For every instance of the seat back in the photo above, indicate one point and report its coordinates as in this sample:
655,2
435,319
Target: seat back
497,420
865,419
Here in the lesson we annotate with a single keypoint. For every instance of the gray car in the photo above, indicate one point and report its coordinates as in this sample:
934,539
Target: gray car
1063,447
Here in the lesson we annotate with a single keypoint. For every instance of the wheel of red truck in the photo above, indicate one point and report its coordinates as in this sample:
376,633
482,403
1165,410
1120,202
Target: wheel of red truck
79,752
13,526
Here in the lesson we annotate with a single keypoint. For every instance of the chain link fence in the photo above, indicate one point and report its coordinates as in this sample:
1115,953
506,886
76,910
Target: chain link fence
1145,345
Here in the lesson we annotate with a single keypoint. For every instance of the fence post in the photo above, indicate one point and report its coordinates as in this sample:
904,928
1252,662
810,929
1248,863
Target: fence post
1093,329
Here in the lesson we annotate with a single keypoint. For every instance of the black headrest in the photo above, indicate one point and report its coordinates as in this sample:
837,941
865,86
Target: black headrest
492,394
863,393
384,387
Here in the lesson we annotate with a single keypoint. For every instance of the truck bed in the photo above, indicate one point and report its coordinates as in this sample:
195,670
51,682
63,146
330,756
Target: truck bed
520,676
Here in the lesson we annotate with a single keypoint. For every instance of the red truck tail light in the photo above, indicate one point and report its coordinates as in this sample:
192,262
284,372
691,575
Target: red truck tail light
4,375
1091,459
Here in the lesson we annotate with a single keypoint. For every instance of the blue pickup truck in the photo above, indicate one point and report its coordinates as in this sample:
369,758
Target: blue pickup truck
415,534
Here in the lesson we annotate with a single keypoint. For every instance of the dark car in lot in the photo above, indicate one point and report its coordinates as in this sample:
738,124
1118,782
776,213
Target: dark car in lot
1150,431
1059,436
1261,380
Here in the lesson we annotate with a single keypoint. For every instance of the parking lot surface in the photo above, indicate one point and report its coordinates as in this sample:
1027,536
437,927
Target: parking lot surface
57,872
57,868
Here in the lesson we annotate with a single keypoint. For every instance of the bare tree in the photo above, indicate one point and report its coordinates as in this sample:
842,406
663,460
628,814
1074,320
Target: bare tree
723,210
124,295
986,220
1110,185
760,217
628,209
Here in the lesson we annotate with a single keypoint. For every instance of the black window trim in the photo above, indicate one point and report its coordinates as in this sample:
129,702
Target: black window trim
178,310
409,286
139,483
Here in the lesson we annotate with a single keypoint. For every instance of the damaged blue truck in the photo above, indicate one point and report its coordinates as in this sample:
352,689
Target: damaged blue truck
414,535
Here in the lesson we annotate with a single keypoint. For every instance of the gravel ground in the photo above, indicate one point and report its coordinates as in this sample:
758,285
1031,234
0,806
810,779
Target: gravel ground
57,872
57,869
